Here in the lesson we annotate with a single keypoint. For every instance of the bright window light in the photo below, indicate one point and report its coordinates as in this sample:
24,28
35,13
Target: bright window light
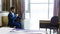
38,1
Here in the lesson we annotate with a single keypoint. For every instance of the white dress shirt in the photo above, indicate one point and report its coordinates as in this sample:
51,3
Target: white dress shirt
12,14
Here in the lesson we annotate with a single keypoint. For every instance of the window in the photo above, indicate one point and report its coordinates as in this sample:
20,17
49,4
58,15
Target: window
36,10
38,1
39,13
43,9
39,9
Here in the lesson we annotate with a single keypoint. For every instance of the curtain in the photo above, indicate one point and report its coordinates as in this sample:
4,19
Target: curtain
56,7
23,9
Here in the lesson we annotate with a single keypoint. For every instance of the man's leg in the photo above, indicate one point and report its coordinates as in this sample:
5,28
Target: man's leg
18,25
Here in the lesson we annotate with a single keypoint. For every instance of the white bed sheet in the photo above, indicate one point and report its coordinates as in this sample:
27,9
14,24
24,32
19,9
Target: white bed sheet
7,30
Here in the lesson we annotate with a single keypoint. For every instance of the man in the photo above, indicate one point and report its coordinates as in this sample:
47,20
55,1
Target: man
12,19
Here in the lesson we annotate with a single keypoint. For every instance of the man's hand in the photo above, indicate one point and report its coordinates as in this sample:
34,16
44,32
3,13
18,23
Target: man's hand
17,15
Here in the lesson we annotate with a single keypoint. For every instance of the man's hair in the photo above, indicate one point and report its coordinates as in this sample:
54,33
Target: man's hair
12,8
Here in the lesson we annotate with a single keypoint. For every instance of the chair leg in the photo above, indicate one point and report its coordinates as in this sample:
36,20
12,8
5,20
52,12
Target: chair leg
57,31
53,31
50,31
46,29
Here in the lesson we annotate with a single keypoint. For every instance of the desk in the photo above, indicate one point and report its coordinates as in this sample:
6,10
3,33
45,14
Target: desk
44,23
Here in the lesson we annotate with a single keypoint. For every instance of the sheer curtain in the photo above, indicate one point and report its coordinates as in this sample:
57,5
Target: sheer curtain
36,10
56,7
0,5
40,10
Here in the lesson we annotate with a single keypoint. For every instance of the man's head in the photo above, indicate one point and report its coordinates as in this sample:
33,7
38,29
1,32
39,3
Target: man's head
12,9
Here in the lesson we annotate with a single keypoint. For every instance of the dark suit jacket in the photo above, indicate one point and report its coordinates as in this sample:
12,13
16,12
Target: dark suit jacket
11,18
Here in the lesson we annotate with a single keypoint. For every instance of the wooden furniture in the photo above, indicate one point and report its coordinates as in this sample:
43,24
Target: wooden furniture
4,21
44,23
3,18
